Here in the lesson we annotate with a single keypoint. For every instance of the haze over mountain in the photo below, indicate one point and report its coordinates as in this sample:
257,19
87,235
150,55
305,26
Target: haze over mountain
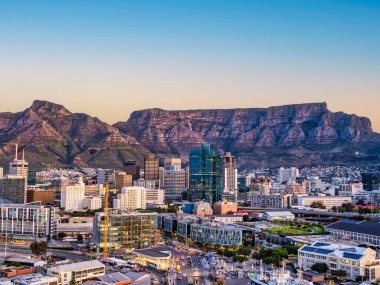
303,134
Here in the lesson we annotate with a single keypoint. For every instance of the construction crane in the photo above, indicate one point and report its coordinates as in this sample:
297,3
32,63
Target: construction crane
106,220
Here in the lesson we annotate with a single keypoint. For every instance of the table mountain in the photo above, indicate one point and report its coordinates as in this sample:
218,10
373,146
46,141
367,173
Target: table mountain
301,134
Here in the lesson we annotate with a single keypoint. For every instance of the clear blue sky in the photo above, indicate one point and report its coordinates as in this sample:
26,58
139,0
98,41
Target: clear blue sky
108,58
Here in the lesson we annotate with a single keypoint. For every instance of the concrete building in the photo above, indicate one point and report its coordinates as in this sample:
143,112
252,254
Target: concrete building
23,224
260,185
13,189
155,257
123,179
126,230
46,197
328,201
19,167
350,189
34,279
151,165
155,197
230,175
270,201
174,184
202,208
278,216
355,261
131,167
224,207
173,163
286,175
295,189
78,272
72,196
131,198
227,219
361,231
92,203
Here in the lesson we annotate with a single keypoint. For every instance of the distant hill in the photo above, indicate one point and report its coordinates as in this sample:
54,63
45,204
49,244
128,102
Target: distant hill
304,134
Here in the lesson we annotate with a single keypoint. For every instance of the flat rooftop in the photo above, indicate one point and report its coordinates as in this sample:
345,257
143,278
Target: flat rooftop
79,266
154,252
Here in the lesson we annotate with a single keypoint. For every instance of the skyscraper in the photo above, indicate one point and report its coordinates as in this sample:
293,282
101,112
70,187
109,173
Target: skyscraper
229,177
206,174
131,167
151,165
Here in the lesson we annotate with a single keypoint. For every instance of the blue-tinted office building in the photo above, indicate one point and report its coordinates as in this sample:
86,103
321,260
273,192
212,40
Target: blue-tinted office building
206,174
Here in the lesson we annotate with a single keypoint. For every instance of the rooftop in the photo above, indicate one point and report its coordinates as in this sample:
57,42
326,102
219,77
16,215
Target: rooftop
277,214
161,252
364,227
79,266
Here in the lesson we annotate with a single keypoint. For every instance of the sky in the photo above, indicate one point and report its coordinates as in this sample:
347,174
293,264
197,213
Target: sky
109,58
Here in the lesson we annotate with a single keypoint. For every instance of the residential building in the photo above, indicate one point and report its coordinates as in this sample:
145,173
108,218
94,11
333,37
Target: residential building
223,207
27,223
131,198
295,189
72,196
34,279
92,202
328,201
78,272
286,175
270,201
156,257
13,189
151,165
126,230
260,185
354,261
278,216
155,197
362,232
206,174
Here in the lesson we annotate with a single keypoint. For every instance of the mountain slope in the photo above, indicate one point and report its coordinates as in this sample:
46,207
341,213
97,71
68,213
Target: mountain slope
294,134
52,136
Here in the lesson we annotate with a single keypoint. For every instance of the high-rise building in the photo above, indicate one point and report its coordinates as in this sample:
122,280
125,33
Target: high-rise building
131,198
13,189
123,179
230,177
174,184
151,167
27,223
131,167
19,167
261,185
103,175
72,196
288,174
206,174
126,230
173,163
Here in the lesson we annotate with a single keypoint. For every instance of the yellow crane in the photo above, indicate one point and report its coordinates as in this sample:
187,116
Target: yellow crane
106,220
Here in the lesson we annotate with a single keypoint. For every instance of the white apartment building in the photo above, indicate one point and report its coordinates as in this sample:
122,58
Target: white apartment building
155,196
355,261
19,167
72,196
328,201
92,203
288,174
78,272
270,201
131,198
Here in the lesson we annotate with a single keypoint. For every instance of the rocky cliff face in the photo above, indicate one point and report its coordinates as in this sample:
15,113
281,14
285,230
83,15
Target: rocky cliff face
53,136
248,132
304,134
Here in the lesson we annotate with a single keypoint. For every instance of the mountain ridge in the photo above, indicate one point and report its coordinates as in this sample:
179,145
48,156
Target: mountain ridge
296,134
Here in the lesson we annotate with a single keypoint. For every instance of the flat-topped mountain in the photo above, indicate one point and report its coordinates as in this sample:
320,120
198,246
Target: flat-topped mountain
302,134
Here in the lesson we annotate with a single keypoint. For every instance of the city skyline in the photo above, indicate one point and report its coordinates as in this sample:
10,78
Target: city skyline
109,60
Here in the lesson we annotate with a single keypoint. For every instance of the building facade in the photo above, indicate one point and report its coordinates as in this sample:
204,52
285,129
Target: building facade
131,198
270,201
151,167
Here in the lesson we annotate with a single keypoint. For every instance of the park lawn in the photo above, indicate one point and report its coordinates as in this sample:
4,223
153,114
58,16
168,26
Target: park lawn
319,229
289,230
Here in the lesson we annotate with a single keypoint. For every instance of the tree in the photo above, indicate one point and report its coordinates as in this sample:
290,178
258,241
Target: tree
318,205
38,248
244,250
61,235
277,256
320,267
73,282
339,273
79,237
348,207
239,258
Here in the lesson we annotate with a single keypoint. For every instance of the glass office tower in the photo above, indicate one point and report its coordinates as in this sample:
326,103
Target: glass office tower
206,174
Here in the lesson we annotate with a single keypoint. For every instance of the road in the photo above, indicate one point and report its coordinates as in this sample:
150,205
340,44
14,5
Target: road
74,256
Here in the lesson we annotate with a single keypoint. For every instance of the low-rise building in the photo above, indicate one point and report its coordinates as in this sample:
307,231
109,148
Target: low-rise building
360,231
155,257
270,201
328,201
202,208
278,216
92,203
223,207
35,279
77,272
355,261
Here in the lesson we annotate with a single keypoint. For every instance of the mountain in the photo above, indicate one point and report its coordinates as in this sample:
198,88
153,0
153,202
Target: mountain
301,134
304,134
52,136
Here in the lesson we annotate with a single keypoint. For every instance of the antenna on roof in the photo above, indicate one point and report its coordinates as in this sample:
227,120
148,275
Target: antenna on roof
16,151
23,154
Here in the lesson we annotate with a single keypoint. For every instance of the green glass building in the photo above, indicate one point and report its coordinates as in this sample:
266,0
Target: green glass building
206,174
